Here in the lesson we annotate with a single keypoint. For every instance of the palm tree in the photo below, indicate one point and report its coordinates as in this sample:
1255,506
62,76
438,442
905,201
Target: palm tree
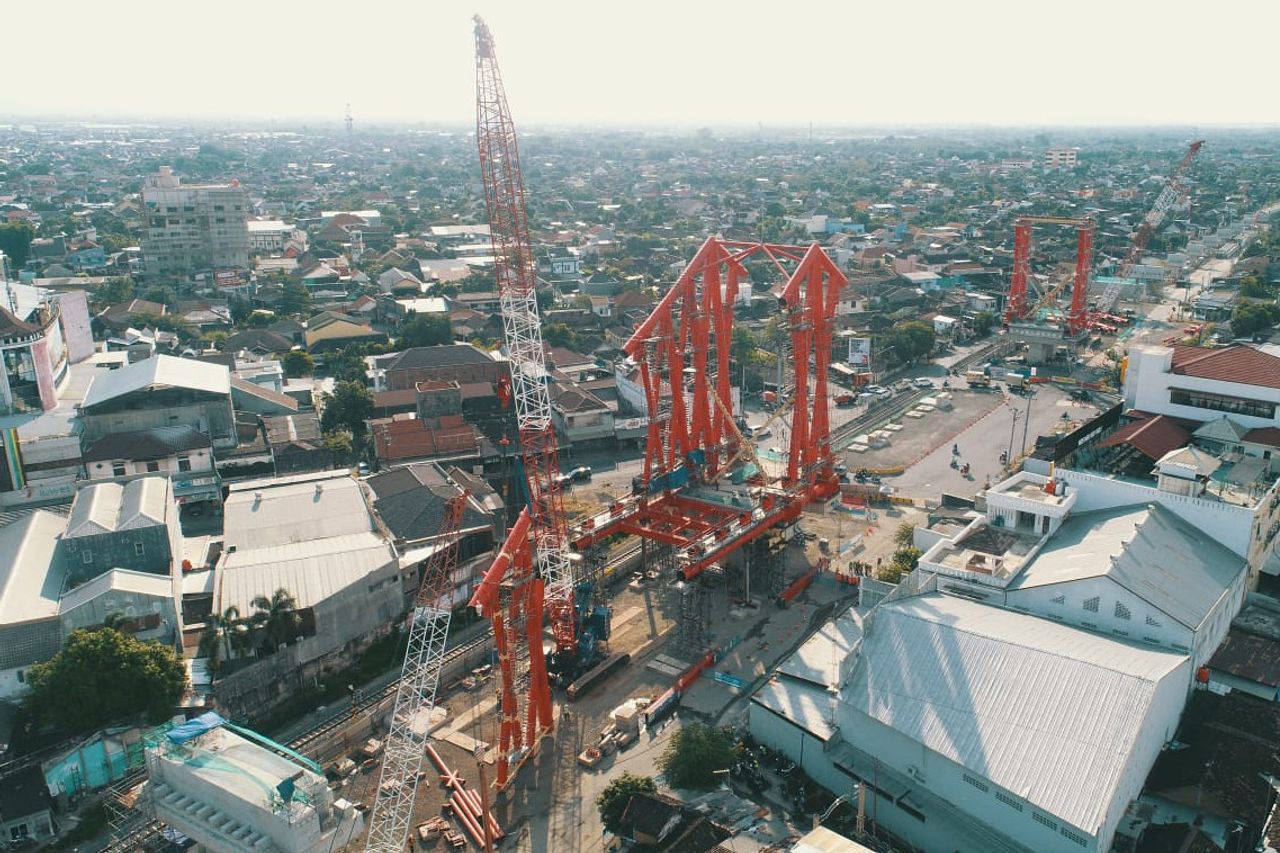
277,617
222,635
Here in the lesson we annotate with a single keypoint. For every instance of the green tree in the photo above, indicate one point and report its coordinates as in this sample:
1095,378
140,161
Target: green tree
694,754
340,442
1252,317
912,340
559,335
902,563
15,242
277,618
162,293
350,404
294,299
982,323
903,536
298,362
426,330
613,800
114,290
104,675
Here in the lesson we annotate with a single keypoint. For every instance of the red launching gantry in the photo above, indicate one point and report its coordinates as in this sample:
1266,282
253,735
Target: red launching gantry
682,351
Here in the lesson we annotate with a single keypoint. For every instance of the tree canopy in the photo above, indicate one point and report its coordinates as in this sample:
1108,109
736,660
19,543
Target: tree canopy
347,408
613,800
1252,317
426,330
297,363
105,675
694,754
15,242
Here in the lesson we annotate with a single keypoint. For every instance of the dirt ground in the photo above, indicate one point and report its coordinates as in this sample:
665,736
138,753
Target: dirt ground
919,436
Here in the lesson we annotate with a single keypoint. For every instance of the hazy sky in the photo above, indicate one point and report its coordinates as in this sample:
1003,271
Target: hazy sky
651,61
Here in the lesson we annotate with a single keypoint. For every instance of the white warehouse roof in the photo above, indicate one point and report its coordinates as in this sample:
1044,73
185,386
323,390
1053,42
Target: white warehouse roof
111,507
31,575
284,510
1048,712
312,571
155,372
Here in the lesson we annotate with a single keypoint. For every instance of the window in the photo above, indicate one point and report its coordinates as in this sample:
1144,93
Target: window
1153,622
1222,403
1122,612
977,783
86,557
117,469
139,549
153,467
218,208
1075,836
1059,599
1120,633
1039,818
1091,604
22,676
1008,801
184,463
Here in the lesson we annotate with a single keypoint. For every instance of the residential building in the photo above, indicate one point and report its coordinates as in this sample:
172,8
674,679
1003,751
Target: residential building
32,575
162,391
1061,158
26,809
193,229
407,438
270,236
131,525
331,330
143,604
463,363
182,453
579,416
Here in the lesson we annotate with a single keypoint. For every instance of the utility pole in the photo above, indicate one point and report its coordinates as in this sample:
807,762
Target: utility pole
1026,420
1012,426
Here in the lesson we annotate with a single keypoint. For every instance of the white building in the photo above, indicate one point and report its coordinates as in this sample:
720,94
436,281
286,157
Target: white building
1061,158
193,228
269,236
231,793
1202,384
980,729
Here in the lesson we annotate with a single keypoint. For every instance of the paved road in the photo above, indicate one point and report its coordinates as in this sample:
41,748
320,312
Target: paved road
982,444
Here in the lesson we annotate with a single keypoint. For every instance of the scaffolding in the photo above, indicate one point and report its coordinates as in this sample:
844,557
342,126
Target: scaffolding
692,618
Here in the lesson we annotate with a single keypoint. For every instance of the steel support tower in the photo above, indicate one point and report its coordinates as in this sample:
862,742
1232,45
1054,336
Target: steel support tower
406,739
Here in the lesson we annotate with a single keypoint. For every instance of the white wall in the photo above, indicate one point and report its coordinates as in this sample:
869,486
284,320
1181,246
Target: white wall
1147,382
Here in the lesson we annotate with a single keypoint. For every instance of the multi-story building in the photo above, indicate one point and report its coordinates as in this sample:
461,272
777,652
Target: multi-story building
40,338
1202,384
193,228
1060,158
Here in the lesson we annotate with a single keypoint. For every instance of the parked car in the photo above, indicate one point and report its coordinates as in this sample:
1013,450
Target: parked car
581,473
923,382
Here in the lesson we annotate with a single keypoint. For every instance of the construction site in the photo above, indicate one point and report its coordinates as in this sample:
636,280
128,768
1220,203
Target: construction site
679,595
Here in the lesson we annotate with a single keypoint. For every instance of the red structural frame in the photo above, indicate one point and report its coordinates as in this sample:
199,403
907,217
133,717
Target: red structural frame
693,321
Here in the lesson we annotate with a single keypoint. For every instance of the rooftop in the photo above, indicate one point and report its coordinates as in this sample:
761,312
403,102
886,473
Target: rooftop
1146,549
159,371
1045,711
144,445
111,507
31,576
297,509
1238,363
312,570
118,580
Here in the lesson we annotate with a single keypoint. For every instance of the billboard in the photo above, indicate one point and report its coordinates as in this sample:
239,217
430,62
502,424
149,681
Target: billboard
860,352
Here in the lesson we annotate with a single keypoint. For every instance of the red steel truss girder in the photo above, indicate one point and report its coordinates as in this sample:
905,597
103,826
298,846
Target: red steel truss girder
1078,315
810,297
522,718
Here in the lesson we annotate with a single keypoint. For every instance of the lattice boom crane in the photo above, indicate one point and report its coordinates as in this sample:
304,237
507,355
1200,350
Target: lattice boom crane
406,739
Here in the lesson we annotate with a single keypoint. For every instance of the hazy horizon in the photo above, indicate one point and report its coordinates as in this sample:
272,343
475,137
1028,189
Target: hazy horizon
661,65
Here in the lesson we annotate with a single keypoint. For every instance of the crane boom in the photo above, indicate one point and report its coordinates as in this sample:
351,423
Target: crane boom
522,329
406,739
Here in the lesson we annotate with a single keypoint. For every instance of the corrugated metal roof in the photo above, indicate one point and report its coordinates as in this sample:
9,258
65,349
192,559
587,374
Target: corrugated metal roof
159,370
811,707
818,659
108,507
119,580
312,570
1147,550
294,510
1045,711
31,576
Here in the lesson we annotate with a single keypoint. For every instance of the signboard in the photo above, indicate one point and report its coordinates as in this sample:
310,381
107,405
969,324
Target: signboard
860,352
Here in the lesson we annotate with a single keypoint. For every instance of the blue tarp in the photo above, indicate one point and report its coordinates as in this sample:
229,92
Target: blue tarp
193,728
